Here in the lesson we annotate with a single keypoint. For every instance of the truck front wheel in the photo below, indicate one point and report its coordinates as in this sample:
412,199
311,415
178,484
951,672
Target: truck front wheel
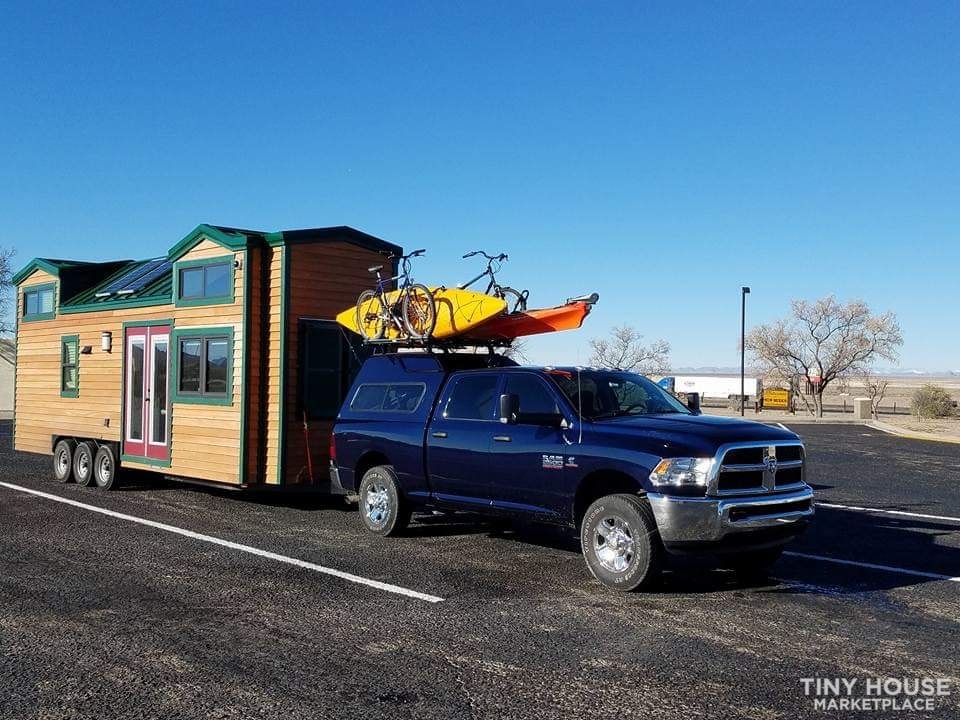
620,542
383,509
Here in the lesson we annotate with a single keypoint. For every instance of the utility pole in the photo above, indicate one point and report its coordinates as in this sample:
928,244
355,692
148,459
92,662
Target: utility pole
744,291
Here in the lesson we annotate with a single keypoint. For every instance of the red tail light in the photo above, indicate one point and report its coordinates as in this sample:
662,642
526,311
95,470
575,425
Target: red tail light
333,449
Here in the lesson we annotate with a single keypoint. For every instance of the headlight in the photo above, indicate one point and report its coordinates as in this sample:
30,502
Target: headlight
682,472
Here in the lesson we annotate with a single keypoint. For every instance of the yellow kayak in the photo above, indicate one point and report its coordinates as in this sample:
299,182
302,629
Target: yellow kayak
458,311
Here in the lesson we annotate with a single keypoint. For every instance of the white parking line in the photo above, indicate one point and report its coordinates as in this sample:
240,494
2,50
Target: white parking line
386,587
874,566
889,512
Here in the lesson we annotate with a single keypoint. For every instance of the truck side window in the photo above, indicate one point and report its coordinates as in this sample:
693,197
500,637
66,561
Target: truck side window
473,398
536,402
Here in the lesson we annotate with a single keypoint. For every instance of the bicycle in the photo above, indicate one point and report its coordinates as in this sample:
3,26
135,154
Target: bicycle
412,311
519,299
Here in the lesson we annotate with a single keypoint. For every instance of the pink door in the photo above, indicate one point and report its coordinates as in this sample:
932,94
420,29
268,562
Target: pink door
146,398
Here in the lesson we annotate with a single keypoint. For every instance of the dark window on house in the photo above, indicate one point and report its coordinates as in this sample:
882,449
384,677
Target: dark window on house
38,303
328,364
204,367
69,366
473,398
388,397
205,282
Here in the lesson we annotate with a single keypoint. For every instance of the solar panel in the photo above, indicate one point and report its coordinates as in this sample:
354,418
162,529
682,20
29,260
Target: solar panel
158,268
131,277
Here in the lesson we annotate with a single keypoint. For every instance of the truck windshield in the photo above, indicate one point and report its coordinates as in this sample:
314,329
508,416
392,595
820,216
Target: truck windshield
607,394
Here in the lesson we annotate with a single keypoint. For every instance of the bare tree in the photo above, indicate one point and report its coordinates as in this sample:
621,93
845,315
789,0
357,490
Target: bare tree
826,339
517,351
6,289
625,350
875,388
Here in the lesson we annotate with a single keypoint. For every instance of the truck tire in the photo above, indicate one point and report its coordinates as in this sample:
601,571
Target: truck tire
621,543
383,509
83,463
753,564
105,468
63,461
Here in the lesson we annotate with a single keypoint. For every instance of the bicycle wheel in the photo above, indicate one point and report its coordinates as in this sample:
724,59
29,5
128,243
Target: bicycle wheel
419,312
516,301
370,317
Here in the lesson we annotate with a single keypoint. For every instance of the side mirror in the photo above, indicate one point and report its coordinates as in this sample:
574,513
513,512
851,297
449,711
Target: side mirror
693,402
509,408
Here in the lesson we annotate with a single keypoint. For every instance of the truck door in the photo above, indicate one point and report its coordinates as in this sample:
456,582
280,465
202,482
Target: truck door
458,440
530,458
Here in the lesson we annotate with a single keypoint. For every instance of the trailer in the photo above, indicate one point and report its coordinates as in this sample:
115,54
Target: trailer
715,386
219,361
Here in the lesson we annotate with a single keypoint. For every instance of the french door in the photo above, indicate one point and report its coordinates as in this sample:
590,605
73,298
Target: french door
146,392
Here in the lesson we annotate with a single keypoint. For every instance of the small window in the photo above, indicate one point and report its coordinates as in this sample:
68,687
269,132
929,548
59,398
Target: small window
69,366
38,303
203,368
536,402
205,281
389,397
473,398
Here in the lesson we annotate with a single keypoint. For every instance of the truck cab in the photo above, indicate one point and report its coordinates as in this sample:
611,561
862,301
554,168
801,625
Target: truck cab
606,452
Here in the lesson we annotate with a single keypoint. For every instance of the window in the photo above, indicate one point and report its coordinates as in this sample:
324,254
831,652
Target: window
38,302
69,366
537,405
204,282
473,398
328,364
204,367
605,394
388,397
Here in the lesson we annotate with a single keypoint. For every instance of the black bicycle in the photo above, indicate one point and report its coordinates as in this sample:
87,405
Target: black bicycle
517,298
410,309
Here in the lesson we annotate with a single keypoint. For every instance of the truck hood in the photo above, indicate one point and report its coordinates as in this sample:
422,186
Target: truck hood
695,435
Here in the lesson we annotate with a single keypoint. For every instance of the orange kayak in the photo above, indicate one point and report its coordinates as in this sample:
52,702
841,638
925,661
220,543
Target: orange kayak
568,316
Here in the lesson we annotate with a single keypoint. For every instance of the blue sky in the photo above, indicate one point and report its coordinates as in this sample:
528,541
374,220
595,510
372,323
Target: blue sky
661,154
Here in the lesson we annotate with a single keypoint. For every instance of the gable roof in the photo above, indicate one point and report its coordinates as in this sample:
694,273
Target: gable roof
82,282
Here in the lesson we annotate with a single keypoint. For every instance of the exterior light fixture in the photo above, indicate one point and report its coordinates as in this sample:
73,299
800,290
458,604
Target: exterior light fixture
106,340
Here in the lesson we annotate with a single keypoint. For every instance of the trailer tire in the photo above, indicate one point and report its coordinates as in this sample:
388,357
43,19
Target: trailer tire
383,509
105,468
621,544
63,460
83,463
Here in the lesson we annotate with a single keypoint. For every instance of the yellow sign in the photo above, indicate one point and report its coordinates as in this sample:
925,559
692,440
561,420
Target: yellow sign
776,399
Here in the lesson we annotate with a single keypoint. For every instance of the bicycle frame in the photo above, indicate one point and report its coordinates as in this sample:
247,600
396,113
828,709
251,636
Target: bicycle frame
382,290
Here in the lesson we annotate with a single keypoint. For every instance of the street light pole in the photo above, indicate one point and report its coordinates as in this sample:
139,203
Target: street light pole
744,291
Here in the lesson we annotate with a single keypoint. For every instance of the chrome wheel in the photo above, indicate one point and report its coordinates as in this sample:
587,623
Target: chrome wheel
63,463
104,469
83,465
376,504
613,544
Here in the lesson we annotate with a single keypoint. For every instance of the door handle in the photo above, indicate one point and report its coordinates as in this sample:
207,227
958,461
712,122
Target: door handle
501,438
439,434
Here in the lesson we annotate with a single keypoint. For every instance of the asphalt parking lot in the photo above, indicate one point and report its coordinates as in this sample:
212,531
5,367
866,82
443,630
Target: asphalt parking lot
104,617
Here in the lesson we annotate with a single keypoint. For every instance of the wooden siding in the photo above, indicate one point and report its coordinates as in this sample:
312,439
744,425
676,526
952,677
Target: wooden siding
325,278
205,439
271,365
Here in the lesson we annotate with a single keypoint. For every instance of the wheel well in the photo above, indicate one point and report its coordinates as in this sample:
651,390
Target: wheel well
367,461
598,484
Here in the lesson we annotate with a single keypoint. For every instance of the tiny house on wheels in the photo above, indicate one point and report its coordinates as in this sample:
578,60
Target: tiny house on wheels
219,361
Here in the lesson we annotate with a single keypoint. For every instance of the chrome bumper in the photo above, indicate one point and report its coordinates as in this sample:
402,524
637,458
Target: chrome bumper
708,520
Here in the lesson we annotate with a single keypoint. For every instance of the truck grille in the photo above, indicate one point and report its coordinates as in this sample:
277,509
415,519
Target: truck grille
760,468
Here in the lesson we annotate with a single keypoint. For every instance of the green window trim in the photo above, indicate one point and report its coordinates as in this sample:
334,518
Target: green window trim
69,344
37,289
203,335
223,299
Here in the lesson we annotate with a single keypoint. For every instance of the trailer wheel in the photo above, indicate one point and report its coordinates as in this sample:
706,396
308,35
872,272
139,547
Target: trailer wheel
620,542
83,463
383,509
105,468
63,460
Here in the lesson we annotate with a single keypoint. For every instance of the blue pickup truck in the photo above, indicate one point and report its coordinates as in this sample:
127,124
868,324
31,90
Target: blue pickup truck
610,453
